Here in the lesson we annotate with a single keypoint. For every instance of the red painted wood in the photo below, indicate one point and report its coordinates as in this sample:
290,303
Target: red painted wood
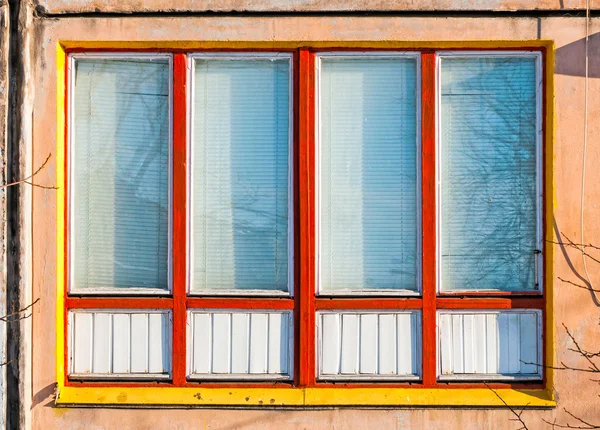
287,49
119,303
297,227
179,218
491,294
418,385
110,384
428,216
289,384
305,313
178,51
370,303
546,191
490,303
189,384
239,303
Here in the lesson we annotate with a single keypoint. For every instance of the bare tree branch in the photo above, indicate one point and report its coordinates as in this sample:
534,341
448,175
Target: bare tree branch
27,179
574,244
511,409
18,314
580,351
578,247
586,425
578,285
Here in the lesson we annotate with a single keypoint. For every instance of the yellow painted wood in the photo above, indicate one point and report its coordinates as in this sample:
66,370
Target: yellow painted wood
60,212
426,397
302,397
239,44
551,203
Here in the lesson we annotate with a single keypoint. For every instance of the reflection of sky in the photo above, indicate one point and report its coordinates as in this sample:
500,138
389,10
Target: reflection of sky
488,117
240,185
121,172
368,174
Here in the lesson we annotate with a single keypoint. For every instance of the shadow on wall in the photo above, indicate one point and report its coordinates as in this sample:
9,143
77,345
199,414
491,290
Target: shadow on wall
570,59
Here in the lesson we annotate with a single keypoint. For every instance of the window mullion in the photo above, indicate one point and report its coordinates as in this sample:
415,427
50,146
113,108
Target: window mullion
428,216
305,293
179,235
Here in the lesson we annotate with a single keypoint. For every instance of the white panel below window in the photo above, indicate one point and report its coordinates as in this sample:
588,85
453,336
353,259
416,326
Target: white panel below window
105,344
238,345
369,345
484,345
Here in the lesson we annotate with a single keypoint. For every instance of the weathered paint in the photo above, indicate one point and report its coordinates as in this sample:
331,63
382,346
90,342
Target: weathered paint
298,397
4,32
562,172
79,6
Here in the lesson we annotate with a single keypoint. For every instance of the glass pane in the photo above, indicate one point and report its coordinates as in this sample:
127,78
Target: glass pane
120,174
368,174
240,174
488,173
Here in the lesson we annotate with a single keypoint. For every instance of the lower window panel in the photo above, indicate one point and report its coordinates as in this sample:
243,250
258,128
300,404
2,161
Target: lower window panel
119,344
240,345
369,345
490,345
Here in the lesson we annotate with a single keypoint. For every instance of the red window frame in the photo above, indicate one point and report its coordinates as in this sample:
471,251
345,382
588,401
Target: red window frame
304,302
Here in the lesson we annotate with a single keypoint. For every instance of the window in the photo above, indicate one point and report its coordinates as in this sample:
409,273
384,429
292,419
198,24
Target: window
305,219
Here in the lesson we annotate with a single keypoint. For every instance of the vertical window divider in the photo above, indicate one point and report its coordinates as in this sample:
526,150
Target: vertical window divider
428,216
305,289
179,218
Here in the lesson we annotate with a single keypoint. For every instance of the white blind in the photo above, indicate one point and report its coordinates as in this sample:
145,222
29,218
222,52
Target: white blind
240,174
120,174
488,173
368,174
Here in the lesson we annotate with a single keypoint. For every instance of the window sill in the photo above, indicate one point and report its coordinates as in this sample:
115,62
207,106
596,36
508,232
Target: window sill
303,397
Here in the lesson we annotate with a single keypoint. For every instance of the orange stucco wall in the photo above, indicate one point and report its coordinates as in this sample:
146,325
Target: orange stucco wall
574,307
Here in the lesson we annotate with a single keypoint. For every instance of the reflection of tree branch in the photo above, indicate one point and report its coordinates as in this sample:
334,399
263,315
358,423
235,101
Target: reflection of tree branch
27,179
511,409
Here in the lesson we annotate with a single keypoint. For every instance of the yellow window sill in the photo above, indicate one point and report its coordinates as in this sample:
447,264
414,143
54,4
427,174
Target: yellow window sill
299,397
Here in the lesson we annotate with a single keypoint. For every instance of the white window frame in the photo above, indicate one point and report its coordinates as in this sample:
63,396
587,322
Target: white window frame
72,289
370,377
366,55
539,257
166,376
234,56
478,377
244,377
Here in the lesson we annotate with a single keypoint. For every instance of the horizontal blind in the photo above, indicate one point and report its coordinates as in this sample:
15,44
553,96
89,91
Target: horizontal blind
368,174
240,174
488,173
120,174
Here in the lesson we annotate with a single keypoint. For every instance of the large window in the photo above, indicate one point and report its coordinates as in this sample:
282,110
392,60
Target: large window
305,218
